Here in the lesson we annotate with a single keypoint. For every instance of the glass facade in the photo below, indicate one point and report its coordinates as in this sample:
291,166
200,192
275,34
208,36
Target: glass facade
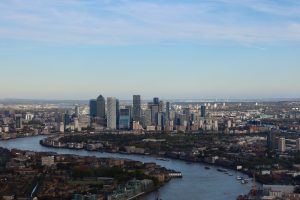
124,120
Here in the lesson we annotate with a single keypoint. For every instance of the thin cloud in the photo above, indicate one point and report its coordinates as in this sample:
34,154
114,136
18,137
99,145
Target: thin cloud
285,8
135,22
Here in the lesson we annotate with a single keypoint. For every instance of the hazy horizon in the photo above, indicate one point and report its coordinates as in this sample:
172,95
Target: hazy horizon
218,100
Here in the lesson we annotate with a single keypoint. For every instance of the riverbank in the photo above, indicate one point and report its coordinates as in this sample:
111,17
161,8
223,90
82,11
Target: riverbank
196,183
165,158
217,150
241,179
12,136
48,175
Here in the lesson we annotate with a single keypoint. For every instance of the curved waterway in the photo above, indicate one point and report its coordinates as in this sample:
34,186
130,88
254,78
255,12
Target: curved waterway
197,183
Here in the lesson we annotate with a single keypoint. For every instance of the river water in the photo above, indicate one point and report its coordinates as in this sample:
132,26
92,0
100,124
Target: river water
197,183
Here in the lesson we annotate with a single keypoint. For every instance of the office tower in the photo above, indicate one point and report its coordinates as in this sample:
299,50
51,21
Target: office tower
147,118
136,112
298,144
203,111
19,122
271,141
93,108
156,101
196,119
161,119
281,144
176,119
168,111
129,107
111,112
61,127
101,117
77,110
193,117
183,119
67,120
172,115
154,112
101,107
124,121
161,106
76,123
117,113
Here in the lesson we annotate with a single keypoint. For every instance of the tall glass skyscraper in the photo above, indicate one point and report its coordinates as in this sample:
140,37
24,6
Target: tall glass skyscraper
124,122
19,122
154,113
203,111
101,117
67,120
167,111
156,100
77,111
101,107
93,108
136,114
111,113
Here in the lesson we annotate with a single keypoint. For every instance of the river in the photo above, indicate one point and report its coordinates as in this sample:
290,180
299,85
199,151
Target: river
197,183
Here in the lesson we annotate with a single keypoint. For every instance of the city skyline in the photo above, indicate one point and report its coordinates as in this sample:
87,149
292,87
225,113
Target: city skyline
172,49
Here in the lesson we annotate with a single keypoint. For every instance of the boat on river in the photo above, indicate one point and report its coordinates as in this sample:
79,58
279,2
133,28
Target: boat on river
163,159
244,181
222,170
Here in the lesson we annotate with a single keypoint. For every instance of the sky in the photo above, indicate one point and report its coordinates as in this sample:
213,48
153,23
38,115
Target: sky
187,49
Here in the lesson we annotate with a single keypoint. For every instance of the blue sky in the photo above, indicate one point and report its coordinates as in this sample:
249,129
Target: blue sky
77,49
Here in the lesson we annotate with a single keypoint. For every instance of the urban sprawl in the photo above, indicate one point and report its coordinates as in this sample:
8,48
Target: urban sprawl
260,139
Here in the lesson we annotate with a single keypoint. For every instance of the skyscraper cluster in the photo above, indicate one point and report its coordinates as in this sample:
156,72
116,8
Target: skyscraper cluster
155,115
105,114
110,115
